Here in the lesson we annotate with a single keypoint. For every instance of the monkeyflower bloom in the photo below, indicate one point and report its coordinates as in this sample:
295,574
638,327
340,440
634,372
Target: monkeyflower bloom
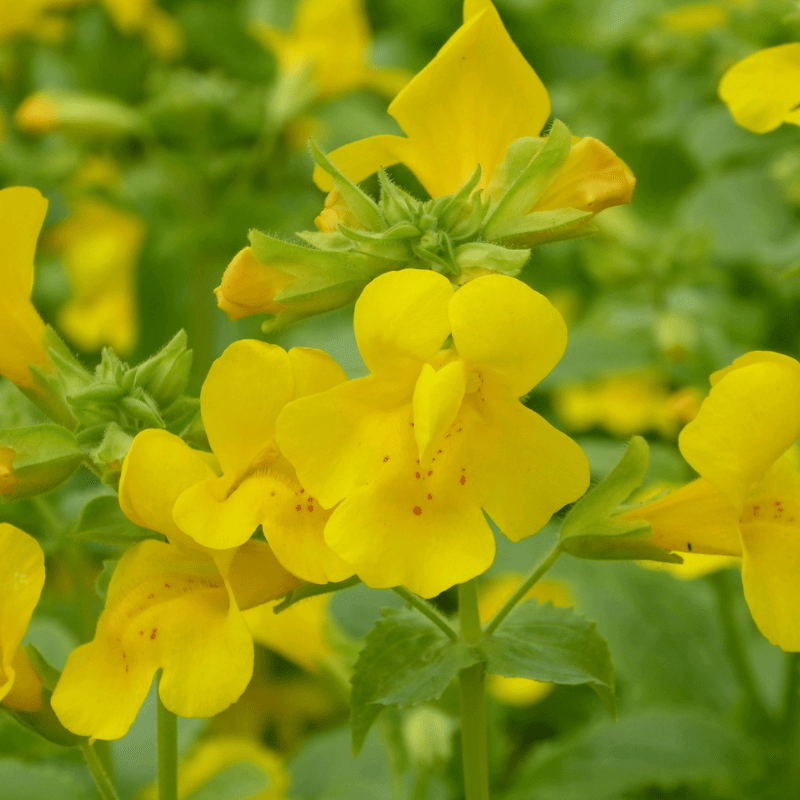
746,501
22,212
465,108
762,91
21,579
329,40
171,606
415,452
244,392
100,247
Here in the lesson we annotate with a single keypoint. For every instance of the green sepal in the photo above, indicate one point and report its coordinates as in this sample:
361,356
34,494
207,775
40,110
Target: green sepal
362,206
552,645
102,520
44,456
143,409
406,660
591,529
540,227
396,205
524,183
480,256
165,375
110,453
378,244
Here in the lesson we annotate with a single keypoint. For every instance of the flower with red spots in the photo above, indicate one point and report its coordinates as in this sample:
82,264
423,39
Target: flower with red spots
417,451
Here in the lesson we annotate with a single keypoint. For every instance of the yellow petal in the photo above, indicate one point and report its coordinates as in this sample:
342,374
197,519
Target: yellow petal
523,470
401,319
591,179
298,633
314,371
22,213
249,287
511,334
763,90
257,577
754,357
454,124
337,440
697,518
159,467
749,419
437,399
293,522
244,391
358,160
21,582
167,608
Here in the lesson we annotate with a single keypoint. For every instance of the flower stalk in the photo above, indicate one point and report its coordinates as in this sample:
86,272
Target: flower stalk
167,753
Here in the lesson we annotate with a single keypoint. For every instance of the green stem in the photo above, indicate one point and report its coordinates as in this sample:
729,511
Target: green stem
104,784
427,610
473,700
167,753
523,589
791,724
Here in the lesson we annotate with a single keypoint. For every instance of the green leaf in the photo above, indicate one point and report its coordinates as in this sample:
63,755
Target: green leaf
552,645
662,750
359,202
102,520
531,183
240,781
406,660
604,499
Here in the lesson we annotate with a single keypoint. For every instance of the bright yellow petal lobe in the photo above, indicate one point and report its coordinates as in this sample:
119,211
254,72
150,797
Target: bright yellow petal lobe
22,212
256,576
697,518
746,423
314,371
509,333
159,467
167,608
437,399
401,319
244,391
358,160
21,582
763,90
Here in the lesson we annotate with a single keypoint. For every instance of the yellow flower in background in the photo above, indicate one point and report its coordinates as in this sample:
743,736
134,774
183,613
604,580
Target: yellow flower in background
299,633
763,90
465,108
100,247
22,212
214,759
747,500
171,606
491,596
330,39
21,582
35,18
158,28
415,452
245,390
627,404
694,18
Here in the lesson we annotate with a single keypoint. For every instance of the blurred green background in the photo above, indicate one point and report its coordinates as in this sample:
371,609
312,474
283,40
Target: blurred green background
162,133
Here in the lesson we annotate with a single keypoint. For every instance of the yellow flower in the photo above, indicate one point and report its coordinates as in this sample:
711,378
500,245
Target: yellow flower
22,212
330,39
695,18
244,392
415,452
747,500
145,17
763,90
21,582
35,18
465,108
100,247
299,633
171,606
627,404
212,758
492,595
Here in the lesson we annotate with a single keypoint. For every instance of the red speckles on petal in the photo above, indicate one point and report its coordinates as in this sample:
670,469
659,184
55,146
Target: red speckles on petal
166,586
418,476
311,508
153,633
462,480
151,596
417,510
438,452
302,491
298,507
141,633
430,497
385,459
778,502
430,472
272,494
